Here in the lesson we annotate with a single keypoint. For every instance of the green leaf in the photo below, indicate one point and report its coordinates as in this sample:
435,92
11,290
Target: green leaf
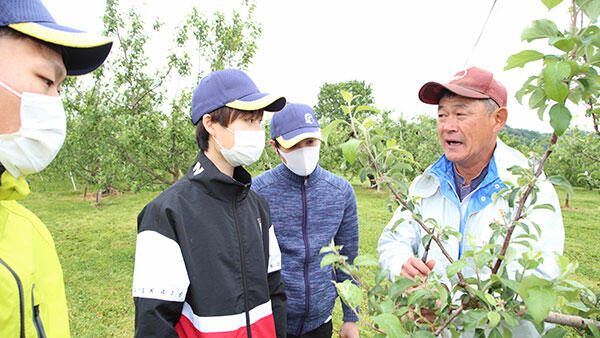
331,127
381,275
560,118
510,319
346,110
540,29
494,318
564,44
554,74
537,99
362,108
351,294
522,58
349,149
473,319
591,8
368,123
329,259
346,96
455,267
551,3
561,182
366,260
390,324
545,206
538,295
594,330
399,286
495,333
363,175
557,332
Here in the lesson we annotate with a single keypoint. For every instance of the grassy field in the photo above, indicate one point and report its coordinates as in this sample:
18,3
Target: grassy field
96,246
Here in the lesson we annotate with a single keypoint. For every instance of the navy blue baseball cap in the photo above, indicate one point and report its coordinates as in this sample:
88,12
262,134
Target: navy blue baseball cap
232,88
294,123
84,52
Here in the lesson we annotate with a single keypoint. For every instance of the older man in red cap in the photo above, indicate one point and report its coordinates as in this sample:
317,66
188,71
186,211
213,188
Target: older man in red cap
35,56
457,190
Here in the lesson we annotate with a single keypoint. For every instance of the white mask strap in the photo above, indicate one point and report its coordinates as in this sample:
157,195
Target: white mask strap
10,89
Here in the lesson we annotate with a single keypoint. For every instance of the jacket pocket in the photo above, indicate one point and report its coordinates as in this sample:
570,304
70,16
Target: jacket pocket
37,320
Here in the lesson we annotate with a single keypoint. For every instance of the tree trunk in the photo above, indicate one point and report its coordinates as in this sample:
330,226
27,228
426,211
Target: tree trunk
567,200
99,196
85,191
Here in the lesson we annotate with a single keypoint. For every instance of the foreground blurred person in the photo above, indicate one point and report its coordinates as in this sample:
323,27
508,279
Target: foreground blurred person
35,56
310,207
457,190
207,261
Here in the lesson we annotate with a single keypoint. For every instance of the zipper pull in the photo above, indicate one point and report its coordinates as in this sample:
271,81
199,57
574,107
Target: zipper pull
305,181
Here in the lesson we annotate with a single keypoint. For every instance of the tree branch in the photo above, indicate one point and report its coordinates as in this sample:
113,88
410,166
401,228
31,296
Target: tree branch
572,321
589,156
145,168
449,320
522,201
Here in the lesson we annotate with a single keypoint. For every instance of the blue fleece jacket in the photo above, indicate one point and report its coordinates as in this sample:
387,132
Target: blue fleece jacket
307,213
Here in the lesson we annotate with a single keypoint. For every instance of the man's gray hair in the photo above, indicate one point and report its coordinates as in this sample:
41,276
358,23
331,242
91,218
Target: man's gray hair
491,106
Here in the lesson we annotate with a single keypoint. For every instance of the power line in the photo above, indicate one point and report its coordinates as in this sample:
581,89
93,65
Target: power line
480,34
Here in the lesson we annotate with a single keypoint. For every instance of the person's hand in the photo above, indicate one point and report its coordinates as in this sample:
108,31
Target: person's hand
415,267
349,330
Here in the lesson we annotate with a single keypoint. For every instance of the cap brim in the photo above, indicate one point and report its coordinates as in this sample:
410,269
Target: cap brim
431,91
86,52
258,101
298,135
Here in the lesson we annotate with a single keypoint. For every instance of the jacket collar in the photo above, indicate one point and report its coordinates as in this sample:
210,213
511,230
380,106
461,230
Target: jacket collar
217,184
12,188
503,158
283,172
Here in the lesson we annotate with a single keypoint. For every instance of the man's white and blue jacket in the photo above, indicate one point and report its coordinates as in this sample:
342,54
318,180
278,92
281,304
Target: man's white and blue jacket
472,217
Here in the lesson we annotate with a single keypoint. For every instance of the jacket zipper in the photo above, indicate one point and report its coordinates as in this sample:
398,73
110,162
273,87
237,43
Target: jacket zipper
306,257
243,265
37,320
21,305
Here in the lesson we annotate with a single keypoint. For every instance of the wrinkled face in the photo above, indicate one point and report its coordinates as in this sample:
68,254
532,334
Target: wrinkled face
467,132
27,66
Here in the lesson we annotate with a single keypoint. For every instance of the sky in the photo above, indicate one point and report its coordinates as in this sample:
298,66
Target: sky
396,46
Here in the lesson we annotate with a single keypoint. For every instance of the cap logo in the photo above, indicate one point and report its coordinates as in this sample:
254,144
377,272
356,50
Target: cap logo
459,75
309,119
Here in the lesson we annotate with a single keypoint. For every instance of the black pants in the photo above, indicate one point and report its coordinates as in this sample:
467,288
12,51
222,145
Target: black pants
323,331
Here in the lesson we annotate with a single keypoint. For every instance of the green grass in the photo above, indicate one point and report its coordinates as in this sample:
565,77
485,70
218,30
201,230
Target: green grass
96,246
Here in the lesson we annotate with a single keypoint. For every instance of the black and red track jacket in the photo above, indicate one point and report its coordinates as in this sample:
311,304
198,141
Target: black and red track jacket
207,263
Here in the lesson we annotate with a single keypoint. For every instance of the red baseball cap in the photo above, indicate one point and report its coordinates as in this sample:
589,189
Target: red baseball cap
475,83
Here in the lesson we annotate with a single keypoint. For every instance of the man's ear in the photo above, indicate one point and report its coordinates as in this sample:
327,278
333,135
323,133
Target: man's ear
500,117
273,145
208,124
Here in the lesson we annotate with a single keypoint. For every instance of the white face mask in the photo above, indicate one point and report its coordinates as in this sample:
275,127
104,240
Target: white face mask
42,133
247,147
303,161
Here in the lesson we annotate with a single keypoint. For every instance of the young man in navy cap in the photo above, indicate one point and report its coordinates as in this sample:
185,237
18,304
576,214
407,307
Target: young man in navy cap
35,56
207,261
457,191
309,207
